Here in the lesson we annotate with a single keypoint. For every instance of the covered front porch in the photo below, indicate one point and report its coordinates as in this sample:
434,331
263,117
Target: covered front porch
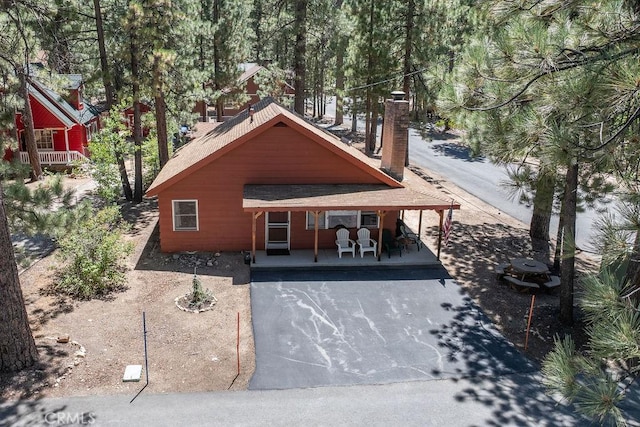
317,199
66,158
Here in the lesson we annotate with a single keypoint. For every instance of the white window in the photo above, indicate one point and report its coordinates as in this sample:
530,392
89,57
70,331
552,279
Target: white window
311,221
185,215
44,139
349,219
369,219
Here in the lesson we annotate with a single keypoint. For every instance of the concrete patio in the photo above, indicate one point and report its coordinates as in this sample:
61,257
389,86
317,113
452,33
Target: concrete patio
328,258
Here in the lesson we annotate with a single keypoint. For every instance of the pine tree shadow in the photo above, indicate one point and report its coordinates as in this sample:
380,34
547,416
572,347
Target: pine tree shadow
496,309
471,257
139,215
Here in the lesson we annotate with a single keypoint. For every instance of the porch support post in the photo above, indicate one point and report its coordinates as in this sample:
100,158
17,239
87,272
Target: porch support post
381,215
316,215
254,217
66,144
420,225
441,213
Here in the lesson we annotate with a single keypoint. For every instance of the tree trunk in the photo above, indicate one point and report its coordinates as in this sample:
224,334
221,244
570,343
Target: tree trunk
59,58
339,119
408,45
124,177
104,63
137,119
559,237
299,66
217,71
632,276
367,114
373,131
17,347
367,123
315,101
161,116
354,117
28,133
567,269
541,218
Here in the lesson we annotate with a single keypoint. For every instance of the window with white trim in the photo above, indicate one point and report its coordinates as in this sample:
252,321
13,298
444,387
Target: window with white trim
369,219
349,219
185,215
311,221
44,139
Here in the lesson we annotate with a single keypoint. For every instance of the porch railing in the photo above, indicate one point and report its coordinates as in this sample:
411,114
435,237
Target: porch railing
55,157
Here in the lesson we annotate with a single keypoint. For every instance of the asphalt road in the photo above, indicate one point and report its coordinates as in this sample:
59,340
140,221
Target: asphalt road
485,180
480,177
512,400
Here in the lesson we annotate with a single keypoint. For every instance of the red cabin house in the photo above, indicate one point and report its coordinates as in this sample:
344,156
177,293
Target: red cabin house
128,115
63,125
246,85
271,180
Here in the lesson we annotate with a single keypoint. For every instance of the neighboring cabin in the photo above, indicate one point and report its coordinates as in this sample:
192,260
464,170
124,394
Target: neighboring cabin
127,114
264,181
64,124
246,85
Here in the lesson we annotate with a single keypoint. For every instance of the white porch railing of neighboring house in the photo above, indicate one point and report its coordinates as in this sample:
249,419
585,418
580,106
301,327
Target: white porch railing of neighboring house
56,157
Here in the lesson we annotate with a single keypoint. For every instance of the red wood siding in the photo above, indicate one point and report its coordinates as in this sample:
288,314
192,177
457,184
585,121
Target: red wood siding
43,118
280,155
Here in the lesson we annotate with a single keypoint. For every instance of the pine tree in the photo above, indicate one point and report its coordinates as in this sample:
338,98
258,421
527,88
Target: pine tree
524,71
17,47
17,347
27,211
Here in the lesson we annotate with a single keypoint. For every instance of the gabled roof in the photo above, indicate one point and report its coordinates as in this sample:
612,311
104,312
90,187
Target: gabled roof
59,107
250,69
241,128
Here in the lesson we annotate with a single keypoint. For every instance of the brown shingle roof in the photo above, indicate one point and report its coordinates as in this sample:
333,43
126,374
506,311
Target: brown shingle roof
338,197
267,113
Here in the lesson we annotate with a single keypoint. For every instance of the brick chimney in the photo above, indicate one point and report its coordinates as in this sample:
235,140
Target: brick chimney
395,135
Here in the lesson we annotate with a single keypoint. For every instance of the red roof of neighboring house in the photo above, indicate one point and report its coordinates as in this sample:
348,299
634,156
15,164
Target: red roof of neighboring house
58,106
249,70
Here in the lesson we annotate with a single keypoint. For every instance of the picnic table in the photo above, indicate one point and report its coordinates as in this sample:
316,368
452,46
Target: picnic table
528,274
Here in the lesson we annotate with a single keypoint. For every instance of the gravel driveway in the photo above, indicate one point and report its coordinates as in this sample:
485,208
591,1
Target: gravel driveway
321,328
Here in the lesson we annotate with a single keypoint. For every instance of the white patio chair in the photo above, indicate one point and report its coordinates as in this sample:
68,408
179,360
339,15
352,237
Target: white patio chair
366,243
344,243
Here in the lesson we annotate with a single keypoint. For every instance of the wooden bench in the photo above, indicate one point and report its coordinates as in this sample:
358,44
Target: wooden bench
554,281
500,270
521,283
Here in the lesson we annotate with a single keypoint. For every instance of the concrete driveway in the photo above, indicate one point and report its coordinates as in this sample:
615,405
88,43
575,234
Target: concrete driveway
325,328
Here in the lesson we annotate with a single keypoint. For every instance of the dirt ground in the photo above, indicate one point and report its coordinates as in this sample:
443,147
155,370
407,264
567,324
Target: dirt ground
197,351
186,351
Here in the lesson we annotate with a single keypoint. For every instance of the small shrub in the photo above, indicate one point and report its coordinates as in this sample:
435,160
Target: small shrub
198,298
94,254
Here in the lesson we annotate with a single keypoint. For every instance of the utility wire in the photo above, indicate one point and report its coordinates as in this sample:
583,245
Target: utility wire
397,76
